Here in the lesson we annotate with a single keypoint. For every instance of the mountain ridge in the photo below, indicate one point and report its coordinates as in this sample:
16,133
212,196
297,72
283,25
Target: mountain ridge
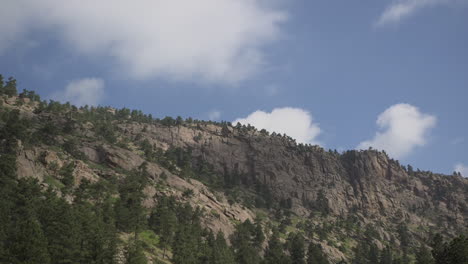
238,173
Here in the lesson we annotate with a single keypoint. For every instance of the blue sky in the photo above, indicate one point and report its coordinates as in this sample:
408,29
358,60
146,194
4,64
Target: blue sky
322,71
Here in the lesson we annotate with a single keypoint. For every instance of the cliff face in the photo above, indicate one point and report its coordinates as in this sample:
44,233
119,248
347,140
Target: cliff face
366,183
271,172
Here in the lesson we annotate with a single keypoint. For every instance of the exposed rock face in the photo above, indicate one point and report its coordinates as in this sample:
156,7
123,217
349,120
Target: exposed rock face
366,185
28,166
365,182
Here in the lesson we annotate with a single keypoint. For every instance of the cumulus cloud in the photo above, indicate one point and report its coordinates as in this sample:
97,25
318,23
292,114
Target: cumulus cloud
294,122
401,9
207,41
462,169
87,91
214,115
402,128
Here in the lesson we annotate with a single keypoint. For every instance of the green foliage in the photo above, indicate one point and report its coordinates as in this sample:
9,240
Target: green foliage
315,255
71,146
67,175
163,221
30,95
423,256
27,243
38,226
274,253
386,256
10,87
135,254
246,251
129,210
221,253
187,193
297,248
149,238
456,251
106,131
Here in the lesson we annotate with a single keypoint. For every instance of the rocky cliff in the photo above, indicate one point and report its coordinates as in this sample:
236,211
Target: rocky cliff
237,173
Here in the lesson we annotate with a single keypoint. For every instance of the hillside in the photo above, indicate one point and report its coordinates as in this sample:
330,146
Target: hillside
170,190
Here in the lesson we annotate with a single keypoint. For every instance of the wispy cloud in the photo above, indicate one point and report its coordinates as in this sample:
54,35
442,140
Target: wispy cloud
402,128
294,122
402,9
87,91
218,41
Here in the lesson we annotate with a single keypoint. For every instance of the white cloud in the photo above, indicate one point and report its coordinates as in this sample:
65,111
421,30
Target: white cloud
294,122
462,169
207,41
402,128
87,91
214,115
401,9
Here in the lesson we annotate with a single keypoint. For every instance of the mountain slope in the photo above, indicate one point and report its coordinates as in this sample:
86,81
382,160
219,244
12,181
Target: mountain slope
356,200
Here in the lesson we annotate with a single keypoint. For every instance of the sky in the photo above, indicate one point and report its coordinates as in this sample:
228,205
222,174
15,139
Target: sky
388,74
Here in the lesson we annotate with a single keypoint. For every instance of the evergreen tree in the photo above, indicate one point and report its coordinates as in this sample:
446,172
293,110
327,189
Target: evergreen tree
60,227
457,250
185,245
10,87
361,252
274,253
297,249
373,254
450,253
423,256
259,237
221,253
315,255
242,242
163,221
135,254
438,247
129,210
27,243
386,256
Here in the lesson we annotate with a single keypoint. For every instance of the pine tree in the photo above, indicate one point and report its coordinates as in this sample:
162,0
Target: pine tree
386,256
423,256
26,240
185,245
163,221
438,247
297,249
242,242
135,254
129,210
274,253
60,227
27,243
373,254
315,255
259,237
221,253
10,87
